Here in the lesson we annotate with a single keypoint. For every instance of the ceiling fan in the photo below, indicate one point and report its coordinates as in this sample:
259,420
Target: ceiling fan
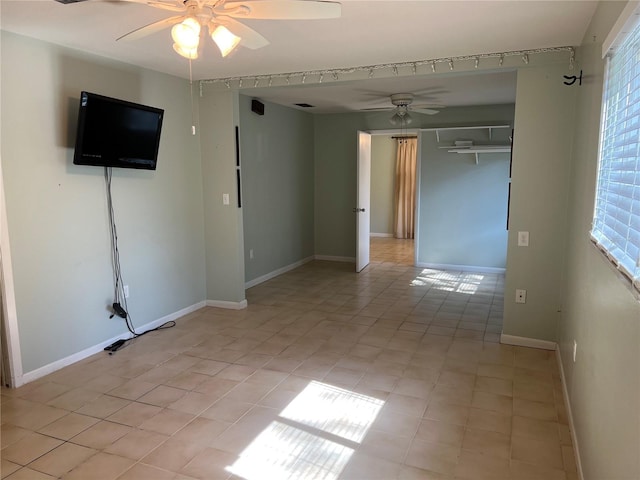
218,18
402,106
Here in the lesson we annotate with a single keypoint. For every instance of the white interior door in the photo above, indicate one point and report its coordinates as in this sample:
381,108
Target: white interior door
362,209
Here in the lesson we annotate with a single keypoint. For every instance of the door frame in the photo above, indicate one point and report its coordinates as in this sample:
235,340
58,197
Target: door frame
13,354
405,131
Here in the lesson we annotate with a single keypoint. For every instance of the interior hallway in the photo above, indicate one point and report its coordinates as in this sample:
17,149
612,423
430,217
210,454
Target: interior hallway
393,373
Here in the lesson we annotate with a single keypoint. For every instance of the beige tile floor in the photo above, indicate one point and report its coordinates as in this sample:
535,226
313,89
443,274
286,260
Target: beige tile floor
393,373
392,250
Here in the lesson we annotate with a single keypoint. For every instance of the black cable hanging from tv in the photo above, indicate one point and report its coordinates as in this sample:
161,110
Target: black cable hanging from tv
120,307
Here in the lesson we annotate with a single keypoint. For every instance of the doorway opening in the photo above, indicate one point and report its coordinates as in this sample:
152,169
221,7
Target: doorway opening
392,229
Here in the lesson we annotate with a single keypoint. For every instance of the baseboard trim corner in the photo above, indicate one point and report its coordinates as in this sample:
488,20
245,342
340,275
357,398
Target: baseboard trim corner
547,345
87,352
527,342
332,258
574,437
227,305
275,273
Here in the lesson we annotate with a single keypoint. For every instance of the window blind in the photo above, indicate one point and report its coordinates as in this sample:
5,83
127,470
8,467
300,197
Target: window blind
616,222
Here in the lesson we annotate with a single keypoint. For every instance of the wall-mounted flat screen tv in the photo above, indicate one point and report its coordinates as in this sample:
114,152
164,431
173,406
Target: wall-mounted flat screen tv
117,133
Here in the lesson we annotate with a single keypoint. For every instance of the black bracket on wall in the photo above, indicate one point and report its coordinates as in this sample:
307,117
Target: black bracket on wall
238,167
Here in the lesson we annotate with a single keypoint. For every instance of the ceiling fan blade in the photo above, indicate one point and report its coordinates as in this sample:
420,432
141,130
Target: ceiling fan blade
377,109
280,9
250,38
426,111
151,28
172,7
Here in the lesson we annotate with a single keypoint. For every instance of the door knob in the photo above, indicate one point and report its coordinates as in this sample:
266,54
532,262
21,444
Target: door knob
356,210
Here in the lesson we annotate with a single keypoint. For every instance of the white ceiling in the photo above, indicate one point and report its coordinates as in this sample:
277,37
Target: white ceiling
369,32
433,91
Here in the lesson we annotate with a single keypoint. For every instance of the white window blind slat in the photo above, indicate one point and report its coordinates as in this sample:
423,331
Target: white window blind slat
616,221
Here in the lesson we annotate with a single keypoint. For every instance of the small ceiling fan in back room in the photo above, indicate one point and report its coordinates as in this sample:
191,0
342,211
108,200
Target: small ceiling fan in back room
401,106
218,18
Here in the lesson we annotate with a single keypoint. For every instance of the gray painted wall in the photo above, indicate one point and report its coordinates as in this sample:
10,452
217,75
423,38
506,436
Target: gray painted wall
463,205
383,171
335,180
57,216
599,310
335,166
223,223
278,185
543,130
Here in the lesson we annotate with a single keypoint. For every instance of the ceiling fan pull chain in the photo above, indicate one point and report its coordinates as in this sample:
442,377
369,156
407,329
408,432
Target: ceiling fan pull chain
193,121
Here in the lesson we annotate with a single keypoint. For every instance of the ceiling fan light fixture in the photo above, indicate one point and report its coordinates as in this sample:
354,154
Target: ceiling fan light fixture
190,53
186,34
224,39
400,118
218,17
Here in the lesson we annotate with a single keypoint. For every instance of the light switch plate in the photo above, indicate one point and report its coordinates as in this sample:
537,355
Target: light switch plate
523,239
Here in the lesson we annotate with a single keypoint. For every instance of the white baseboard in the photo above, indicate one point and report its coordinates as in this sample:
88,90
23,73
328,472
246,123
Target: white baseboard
527,342
275,273
227,305
383,235
460,268
87,352
547,345
331,258
574,437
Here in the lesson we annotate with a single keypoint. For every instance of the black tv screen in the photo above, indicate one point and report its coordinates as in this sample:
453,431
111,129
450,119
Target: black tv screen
117,133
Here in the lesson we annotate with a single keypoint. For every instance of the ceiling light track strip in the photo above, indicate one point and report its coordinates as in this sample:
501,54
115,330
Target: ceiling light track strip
343,73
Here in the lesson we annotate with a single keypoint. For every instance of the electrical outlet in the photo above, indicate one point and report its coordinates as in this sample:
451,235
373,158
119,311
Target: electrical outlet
225,199
251,254
126,291
523,239
575,350
521,296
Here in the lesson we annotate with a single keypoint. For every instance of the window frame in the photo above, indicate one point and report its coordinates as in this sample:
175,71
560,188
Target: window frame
616,243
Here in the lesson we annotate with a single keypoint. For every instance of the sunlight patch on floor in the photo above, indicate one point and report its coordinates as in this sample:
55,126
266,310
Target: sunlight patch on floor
334,410
313,438
449,281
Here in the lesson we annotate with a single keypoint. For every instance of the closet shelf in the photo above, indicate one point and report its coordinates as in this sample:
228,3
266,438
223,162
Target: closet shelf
474,127
478,149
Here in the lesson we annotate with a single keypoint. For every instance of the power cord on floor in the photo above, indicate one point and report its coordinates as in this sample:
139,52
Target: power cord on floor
119,305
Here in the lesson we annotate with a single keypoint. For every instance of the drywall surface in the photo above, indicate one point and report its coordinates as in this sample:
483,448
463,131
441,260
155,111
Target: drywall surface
383,172
335,166
57,214
541,159
600,312
277,184
463,204
223,223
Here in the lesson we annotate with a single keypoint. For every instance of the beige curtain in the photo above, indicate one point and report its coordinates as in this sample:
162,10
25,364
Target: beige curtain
405,188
